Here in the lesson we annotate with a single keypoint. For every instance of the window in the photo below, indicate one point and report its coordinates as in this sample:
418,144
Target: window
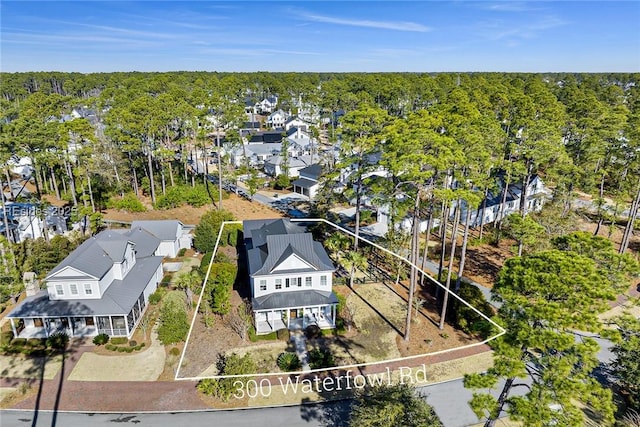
87,289
307,281
323,280
286,282
296,281
279,284
74,289
263,285
59,290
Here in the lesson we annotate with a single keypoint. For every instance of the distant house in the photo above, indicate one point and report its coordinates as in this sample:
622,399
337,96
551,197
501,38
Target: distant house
273,166
308,183
277,119
537,193
30,221
267,105
296,122
103,286
254,154
290,277
171,234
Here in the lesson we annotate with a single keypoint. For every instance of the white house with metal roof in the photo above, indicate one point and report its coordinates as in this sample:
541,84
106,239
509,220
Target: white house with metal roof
170,232
291,277
103,286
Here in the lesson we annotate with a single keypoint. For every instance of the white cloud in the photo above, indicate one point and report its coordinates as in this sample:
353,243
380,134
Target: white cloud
385,25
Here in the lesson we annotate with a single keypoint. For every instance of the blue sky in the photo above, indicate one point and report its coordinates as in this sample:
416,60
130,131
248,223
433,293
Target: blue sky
90,36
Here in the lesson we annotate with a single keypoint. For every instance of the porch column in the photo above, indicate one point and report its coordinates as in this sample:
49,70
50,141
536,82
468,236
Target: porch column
111,325
70,325
13,328
288,317
126,324
334,314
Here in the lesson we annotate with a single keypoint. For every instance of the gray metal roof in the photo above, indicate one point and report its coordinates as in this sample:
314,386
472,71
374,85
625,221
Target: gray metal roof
146,243
96,255
257,230
118,299
278,300
313,171
162,229
304,183
279,248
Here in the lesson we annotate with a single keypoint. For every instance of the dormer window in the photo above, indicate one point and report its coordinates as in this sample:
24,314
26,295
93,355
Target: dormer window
87,289
59,290
74,289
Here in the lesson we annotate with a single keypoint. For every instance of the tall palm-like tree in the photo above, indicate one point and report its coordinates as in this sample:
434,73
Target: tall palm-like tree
353,261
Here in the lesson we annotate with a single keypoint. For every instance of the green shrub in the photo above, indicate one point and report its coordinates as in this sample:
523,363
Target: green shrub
312,331
58,340
283,334
156,297
128,349
128,203
19,342
466,319
142,345
121,349
119,340
282,182
101,339
35,342
288,362
204,263
173,198
175,351
198,196
321,358
182,251
138,347
174,323
253,337
111,347
133,343
224,388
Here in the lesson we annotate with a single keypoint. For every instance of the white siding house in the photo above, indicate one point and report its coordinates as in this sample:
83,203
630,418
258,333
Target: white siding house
291,277
103,286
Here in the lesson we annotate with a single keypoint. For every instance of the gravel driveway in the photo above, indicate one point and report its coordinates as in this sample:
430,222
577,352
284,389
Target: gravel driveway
143,366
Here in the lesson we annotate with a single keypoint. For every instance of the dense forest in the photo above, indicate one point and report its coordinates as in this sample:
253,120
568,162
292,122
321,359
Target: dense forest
445,140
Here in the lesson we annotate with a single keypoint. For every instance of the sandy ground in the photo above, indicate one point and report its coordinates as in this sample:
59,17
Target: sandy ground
239,207
144,366
18,366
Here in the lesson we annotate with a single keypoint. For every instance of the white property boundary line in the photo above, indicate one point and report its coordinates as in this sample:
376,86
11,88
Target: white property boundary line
501,330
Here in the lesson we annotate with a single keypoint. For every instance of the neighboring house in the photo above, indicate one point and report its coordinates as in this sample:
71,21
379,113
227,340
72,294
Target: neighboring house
273,166
308,183
254,154
537,193
20,166
27,221
267,105
171,234
103,286
296,122
290,277
277,119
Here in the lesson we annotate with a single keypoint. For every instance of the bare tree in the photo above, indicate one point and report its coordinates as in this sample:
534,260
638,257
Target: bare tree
239,320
